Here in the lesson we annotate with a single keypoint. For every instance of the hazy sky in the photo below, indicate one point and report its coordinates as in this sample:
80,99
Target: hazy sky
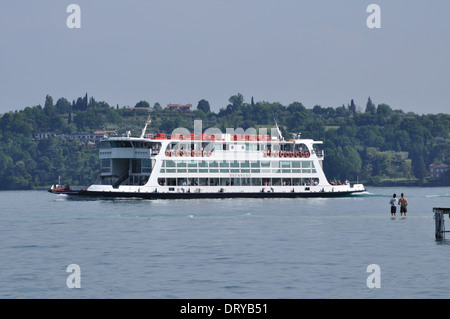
181,51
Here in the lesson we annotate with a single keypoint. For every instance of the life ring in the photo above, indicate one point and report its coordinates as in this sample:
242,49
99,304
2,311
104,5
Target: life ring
281,154
306,154
275,154
209,153
172,153
291,154
167,153
177,153
302,154
266,154
297,154
198,153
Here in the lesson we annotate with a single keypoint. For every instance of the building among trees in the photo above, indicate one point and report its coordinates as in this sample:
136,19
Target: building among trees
179,107
438,171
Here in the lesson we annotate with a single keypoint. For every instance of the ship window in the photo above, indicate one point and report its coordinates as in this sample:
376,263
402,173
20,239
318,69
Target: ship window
121,144
275,167
170,164
105,165
171,182
285,164
255,164
245,164
192,164
256,181
296,171
224,164
214,164
136,166
296,164
245,181
265,164
214,181
306,164
181,164
236,181
146,166
202,164
276,181
234,164
224,181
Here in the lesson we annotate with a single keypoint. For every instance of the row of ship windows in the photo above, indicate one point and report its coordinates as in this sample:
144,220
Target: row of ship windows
238,181
238,171
238,164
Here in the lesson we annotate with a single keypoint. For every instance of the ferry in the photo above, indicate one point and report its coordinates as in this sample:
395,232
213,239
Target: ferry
184,166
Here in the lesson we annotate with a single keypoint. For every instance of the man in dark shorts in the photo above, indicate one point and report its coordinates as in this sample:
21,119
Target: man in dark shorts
403,202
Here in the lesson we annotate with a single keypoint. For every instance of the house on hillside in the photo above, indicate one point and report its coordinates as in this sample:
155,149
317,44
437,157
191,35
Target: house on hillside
179,108
438,171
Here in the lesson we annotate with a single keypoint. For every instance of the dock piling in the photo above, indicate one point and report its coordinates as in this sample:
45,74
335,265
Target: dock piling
440,222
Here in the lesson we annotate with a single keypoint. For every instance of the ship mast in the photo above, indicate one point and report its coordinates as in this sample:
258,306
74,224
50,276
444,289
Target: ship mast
145,127
278,130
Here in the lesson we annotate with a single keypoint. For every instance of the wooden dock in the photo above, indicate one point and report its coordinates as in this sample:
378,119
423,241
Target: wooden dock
439,213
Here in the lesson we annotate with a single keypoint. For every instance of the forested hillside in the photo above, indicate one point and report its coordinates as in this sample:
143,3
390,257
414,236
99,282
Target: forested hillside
372,143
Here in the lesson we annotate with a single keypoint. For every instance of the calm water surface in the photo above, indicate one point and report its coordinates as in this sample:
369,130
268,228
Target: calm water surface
237,248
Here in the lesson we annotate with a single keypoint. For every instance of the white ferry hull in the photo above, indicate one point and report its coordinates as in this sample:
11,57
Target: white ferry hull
191,193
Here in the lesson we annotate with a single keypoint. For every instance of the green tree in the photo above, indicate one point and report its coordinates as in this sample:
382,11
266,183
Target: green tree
370,107
203,105
142,104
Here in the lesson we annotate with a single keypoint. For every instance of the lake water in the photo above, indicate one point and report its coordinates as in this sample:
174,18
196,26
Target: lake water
228,248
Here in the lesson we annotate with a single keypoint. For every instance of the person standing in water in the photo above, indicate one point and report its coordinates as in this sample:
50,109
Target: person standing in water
393,203
403,202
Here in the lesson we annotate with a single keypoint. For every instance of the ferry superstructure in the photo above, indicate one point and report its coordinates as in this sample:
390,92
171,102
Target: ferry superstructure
211,166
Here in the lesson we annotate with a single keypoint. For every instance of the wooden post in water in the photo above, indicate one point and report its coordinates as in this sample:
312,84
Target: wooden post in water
439,221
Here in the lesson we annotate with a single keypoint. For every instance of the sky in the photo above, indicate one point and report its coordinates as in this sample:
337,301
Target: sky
181,51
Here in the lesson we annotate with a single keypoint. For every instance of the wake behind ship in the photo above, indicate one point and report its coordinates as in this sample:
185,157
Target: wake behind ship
210,166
